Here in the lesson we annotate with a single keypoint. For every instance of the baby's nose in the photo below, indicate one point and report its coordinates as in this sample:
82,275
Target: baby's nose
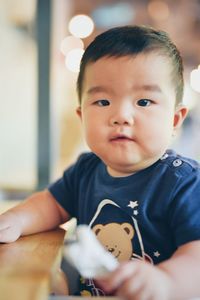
123,116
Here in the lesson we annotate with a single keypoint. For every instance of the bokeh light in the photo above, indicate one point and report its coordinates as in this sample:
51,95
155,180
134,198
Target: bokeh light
195,79
158,10
73,58
69,43
81,26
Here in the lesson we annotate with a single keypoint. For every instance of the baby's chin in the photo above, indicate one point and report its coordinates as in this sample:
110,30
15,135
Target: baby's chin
122,169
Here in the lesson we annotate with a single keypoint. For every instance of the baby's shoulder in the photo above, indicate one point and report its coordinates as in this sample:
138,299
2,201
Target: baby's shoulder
179,164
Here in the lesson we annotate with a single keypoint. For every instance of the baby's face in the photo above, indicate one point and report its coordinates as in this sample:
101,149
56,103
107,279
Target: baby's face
128,111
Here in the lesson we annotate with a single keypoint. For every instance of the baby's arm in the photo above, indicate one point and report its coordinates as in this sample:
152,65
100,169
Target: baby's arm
176,278
39,212
184,270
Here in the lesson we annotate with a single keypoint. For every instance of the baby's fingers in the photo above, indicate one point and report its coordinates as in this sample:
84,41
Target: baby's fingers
4,222
134,289
114,280
9,235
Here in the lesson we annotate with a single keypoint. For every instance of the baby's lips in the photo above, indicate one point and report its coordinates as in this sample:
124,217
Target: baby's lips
121,136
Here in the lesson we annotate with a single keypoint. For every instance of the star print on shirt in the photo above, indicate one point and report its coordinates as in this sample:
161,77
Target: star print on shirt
135,212
156,254
132,204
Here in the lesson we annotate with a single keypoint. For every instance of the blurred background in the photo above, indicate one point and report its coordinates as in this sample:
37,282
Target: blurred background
41,46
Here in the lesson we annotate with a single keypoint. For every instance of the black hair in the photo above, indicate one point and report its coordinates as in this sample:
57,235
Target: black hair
132,40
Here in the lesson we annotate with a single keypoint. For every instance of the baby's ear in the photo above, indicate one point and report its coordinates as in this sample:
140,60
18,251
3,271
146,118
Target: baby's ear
79,112
180,115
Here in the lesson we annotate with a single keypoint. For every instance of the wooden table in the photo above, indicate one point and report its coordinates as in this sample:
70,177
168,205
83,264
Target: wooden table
30,267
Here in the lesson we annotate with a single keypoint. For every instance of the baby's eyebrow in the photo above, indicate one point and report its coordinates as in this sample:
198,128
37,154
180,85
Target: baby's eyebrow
142,87
98,89
148,87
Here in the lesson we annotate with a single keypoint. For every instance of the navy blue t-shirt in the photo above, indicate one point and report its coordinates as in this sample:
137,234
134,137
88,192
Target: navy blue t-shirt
147,215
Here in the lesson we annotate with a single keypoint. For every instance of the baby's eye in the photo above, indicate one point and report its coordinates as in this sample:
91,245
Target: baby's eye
144,102
102,102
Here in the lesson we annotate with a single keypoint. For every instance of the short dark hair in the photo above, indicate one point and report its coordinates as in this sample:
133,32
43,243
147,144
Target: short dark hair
132,40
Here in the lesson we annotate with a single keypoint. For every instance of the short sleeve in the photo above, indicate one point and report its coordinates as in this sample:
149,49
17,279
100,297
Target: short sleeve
63,190
184,213
68,188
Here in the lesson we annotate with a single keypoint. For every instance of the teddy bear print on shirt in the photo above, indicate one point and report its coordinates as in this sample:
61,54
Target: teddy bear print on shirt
116,238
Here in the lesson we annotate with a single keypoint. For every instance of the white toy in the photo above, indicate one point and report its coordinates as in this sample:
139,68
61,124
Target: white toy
87,255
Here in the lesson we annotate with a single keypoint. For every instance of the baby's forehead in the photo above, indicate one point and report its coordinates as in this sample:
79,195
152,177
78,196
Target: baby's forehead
110,60
146,71
144,67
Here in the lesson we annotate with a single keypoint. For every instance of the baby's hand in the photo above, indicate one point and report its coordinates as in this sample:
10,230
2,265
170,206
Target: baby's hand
10,227
138,280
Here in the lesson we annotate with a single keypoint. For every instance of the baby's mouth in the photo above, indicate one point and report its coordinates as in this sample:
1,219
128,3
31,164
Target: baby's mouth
120,138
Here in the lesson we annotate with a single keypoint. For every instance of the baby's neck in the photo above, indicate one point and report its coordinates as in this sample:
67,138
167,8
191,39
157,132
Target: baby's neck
115,173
